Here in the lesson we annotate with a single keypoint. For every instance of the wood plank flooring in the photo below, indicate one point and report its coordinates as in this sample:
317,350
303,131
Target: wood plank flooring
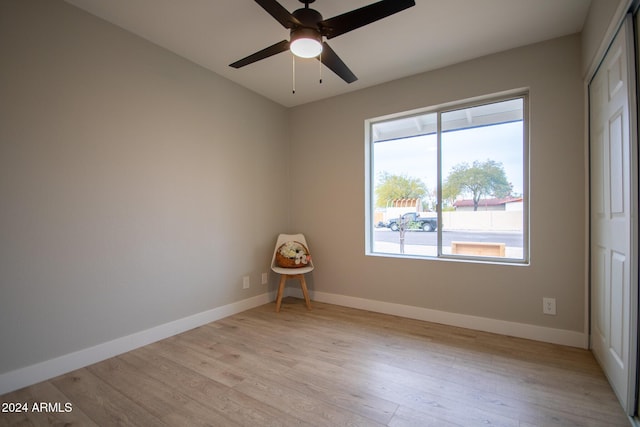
332,366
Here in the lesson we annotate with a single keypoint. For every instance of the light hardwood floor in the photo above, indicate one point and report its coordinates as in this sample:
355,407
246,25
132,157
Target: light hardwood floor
331,366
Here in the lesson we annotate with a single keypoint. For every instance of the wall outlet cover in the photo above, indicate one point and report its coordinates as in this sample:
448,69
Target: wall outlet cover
549,306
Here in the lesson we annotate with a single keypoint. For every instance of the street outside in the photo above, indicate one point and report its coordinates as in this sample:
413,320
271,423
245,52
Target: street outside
425,243
430,238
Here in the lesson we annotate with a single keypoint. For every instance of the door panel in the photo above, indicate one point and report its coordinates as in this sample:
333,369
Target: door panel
613,245
618,303
599,297
616,166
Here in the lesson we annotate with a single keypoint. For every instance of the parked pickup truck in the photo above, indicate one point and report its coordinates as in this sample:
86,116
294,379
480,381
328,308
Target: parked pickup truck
413,221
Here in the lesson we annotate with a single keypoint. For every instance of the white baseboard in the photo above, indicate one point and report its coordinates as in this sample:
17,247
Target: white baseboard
513,329
23,377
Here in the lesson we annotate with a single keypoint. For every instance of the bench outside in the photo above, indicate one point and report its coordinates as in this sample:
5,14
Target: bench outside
478,248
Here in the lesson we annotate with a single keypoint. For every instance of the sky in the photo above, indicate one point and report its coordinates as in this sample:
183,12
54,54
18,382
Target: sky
416,157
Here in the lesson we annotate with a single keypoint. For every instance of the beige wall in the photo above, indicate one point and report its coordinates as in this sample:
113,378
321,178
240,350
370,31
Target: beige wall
328,156
136,188
602,21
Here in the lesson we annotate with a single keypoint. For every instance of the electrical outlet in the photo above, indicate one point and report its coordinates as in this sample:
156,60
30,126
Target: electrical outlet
549,306
246,282
265,278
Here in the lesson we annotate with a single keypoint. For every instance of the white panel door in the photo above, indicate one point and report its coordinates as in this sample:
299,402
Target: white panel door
613,210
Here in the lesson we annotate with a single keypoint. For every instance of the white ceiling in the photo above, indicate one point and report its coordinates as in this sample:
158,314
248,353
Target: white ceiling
430,35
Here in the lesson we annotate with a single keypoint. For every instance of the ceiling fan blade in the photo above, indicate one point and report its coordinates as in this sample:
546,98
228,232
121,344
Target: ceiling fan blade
281,14
357,18
335,64
264,53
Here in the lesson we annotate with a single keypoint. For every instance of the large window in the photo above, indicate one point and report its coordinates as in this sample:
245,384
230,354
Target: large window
450,182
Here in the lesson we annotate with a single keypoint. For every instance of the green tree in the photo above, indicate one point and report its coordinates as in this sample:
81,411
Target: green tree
479,180
392,187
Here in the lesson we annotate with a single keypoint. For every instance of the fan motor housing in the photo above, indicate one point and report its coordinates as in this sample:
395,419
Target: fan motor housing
309,17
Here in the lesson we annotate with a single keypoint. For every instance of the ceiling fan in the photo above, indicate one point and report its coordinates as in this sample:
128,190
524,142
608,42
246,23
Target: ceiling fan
307,29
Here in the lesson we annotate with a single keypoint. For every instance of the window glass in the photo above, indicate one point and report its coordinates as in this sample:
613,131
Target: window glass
450,183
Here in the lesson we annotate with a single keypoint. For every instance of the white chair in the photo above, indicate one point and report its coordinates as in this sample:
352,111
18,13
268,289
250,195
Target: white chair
291,273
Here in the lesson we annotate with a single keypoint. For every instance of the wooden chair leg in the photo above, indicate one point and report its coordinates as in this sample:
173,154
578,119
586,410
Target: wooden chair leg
283,281
303,285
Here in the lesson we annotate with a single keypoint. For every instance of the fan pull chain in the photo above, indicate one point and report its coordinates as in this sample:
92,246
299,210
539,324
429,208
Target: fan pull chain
320,66
294,74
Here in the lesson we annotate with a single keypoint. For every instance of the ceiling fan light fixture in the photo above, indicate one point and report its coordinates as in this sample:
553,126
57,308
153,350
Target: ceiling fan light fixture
308,28
305,43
